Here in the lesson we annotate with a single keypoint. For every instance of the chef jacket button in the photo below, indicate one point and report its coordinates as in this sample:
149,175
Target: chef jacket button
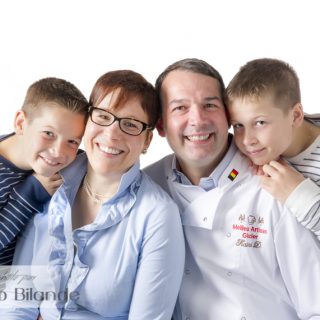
229,273
204,219
243,318
228,234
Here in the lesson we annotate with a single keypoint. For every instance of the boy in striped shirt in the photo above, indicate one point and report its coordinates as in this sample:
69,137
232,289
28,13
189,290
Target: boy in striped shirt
270,128
48,132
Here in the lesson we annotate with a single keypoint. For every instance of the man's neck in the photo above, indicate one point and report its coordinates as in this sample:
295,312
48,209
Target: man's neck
197,170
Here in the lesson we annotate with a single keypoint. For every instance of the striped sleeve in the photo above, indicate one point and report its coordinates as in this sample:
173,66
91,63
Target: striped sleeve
19,202
304,203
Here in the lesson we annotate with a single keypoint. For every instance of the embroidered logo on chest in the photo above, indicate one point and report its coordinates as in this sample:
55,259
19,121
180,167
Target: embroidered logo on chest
250,231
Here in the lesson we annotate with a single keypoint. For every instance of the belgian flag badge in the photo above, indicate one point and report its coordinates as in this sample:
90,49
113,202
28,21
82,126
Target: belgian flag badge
233,174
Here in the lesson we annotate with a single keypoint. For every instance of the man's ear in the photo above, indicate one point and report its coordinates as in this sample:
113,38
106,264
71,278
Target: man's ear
19,121
160,128
298,115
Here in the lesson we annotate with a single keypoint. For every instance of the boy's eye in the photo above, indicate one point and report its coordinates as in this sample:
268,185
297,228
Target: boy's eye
260,123
74,144
237,126
48,134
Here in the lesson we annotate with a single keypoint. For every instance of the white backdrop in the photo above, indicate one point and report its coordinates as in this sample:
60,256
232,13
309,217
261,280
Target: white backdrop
81,39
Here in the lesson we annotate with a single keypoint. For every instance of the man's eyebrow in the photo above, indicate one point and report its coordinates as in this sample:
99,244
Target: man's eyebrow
212,98
174,101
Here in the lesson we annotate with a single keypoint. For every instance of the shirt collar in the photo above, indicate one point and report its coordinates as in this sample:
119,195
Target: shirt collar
74,173
210,182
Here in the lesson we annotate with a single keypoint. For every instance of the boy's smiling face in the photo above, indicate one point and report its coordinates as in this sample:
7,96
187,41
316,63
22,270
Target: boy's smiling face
262,131
50,136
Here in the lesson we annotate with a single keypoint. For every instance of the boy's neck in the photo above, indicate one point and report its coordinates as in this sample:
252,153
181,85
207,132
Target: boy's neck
10,149
303,137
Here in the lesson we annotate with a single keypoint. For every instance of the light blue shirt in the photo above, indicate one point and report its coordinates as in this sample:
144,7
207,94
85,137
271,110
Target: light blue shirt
127,264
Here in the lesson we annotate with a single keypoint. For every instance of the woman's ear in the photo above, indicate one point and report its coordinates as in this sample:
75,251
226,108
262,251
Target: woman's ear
298,115
160,128
19,121
148,141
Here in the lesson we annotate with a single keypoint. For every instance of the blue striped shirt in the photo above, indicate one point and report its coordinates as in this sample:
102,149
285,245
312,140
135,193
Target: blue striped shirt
21,196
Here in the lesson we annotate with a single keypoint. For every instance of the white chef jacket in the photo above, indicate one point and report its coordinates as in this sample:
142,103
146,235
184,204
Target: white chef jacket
246,255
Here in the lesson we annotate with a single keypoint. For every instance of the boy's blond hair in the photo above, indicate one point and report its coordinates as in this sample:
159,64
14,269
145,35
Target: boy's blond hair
261,77
54,90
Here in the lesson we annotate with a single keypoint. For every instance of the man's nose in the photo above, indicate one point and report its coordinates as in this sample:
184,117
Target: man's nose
196,115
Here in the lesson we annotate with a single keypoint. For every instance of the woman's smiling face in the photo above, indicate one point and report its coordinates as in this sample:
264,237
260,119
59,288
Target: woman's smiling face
110,150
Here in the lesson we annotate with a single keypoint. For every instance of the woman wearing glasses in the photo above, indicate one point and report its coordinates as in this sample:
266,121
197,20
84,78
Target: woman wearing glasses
114,245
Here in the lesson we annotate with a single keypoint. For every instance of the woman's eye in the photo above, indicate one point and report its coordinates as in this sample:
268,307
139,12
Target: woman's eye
130,124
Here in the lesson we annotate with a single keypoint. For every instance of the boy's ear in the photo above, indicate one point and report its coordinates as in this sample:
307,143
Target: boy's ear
160,128
298,115
19,121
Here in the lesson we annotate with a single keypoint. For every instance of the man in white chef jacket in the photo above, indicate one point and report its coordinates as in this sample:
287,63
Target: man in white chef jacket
247,256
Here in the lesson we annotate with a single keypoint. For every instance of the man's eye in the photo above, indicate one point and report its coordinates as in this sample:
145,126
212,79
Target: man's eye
179,108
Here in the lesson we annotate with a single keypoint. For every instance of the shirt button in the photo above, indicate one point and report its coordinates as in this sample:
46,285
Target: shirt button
229,273
243,318
187,271
204,219
188,318
228,234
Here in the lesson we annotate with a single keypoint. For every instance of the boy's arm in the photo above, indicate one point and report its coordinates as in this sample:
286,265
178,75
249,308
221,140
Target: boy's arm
25,199
299,194
304,202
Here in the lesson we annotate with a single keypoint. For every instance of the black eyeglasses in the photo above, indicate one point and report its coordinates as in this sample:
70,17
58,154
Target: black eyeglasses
105,118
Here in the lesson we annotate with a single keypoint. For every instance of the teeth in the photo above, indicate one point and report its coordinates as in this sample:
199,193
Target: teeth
198,138
110,150
52,163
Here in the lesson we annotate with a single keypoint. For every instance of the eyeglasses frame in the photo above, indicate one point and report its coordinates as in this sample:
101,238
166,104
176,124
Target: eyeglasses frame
145,126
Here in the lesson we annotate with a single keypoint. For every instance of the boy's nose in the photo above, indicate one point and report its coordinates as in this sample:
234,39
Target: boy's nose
58,150
249,138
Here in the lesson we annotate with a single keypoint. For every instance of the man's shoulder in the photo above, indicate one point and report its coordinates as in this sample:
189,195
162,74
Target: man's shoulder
159,171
